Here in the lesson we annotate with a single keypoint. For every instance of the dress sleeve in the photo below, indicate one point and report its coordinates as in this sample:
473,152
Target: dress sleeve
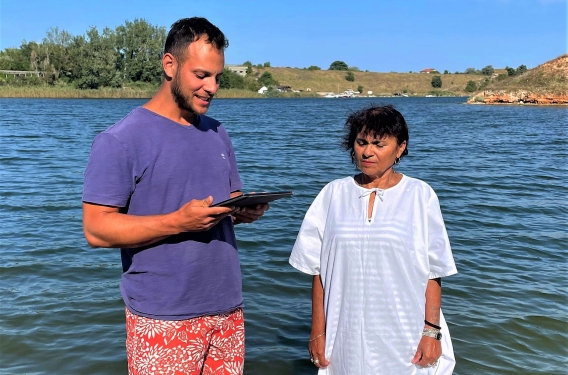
439,250
108,177
307,250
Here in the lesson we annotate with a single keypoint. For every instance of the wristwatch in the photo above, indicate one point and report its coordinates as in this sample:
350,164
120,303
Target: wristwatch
434,333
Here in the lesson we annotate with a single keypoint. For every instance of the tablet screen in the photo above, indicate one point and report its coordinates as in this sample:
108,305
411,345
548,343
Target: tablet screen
252,199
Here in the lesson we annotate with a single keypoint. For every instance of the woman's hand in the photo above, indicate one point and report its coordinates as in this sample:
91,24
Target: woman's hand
428,352
316,346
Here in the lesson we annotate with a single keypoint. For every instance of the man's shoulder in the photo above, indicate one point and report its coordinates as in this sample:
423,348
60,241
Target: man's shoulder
137,116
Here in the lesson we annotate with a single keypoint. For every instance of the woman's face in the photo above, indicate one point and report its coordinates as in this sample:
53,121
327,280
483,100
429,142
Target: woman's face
375,156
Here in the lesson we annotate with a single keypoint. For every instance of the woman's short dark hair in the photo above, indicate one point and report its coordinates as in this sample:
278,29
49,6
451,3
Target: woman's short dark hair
378,122
187,30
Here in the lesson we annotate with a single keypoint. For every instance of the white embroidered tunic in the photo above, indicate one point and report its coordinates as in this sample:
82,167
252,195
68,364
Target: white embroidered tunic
374,273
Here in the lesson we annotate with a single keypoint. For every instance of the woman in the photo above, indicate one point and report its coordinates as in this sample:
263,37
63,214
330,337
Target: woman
377,247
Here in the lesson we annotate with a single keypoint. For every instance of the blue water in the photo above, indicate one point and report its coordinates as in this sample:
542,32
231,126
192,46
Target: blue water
500,173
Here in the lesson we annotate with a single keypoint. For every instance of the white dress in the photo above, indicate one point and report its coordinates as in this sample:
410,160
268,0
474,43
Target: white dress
374,273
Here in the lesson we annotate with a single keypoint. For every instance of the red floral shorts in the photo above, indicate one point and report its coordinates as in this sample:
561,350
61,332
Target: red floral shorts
207,345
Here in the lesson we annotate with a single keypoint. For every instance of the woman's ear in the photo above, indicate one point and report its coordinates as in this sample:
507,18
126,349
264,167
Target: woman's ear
401,148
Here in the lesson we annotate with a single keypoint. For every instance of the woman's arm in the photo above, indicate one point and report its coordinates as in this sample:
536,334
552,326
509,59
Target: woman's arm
430,349
316,345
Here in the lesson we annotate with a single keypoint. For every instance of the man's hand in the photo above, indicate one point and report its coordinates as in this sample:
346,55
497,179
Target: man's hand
197,215
249,214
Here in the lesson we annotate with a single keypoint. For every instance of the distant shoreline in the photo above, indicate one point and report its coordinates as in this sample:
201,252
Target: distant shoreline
7,92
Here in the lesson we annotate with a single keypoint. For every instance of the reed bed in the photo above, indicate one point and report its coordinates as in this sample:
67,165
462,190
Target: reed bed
72,93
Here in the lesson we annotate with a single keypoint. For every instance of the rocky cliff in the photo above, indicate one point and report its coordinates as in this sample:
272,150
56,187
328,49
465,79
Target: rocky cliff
517,97
547,84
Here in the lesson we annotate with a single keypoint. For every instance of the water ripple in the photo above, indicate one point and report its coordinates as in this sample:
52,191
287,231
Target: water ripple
500,173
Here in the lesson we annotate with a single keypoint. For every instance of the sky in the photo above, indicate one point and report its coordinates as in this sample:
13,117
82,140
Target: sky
374,35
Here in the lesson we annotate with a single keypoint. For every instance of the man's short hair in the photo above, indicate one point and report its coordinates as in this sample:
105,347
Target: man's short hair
187,30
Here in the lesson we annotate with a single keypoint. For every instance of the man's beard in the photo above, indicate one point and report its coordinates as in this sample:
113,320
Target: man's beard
180,98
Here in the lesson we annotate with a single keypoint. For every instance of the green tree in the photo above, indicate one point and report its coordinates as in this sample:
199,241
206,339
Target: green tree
436,82
488,70
231,80
350,76
521,69
96,60
470,71
360,89
57,61
446,71
471,86
140,46
267,64
314,67
14,59
338,65
267,80
510,71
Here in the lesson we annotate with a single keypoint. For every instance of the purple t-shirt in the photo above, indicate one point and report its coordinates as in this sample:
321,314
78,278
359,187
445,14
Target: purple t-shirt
147,164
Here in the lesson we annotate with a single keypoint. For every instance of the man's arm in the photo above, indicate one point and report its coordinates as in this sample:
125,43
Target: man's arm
105,226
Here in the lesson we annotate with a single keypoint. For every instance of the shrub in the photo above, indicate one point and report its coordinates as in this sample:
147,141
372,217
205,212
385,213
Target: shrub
350,76
338,65
471,86
488,70
521,69
436,82
267,80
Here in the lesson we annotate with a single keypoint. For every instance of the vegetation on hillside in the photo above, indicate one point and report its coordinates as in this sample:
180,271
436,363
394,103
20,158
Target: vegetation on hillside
125,62
550,77
378,83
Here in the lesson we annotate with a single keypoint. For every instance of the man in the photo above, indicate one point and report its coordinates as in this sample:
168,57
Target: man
149,185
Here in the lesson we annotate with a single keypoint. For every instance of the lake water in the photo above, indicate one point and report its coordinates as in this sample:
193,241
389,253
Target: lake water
500,173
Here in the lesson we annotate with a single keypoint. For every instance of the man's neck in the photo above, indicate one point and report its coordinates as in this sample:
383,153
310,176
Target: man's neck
164,104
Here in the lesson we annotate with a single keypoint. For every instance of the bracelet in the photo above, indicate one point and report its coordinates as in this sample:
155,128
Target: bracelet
432,325
321,334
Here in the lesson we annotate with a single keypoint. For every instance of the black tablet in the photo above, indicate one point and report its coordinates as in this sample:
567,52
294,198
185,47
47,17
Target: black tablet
252,199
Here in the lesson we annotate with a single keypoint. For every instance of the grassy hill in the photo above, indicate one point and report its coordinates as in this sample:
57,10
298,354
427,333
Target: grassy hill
379,83
548,78
543,85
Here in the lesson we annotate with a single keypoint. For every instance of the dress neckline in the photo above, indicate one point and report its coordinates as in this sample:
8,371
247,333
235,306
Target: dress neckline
378,189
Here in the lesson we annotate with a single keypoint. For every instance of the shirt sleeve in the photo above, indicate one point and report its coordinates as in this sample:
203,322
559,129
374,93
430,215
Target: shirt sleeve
439,250
306,253
108,176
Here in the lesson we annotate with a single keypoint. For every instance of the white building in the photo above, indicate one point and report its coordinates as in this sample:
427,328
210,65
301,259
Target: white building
262,90
239,69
